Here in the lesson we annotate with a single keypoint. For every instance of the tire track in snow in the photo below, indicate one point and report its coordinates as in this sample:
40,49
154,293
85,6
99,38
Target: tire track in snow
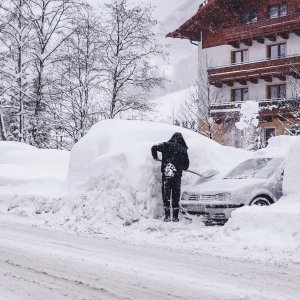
35,262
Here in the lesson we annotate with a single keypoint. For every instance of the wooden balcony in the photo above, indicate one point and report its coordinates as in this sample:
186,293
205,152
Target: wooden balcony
268,109
265,29
252,71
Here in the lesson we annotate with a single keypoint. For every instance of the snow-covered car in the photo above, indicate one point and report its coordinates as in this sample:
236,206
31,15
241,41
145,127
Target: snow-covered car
256,181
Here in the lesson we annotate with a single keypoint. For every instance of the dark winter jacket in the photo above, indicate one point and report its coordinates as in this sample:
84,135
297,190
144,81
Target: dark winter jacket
174,152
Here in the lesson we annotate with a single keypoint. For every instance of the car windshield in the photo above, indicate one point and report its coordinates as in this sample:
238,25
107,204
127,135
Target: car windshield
259,168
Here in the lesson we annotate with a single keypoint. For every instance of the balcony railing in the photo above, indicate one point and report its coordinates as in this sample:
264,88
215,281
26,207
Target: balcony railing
268,107
252,62
263,28
260,101
255,69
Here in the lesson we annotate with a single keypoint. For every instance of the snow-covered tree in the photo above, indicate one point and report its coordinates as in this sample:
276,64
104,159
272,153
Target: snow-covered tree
15,63
248,124
76,85
52,25
196,112
289,115
63,67
128,60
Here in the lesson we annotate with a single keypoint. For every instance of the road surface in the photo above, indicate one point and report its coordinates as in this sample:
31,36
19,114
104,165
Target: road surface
36,264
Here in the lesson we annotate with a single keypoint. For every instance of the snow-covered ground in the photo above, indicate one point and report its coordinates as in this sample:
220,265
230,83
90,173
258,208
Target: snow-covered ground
29,175
40,264
112,189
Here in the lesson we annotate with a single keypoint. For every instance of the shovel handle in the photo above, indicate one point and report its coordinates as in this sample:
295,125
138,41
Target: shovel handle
189,171
193,172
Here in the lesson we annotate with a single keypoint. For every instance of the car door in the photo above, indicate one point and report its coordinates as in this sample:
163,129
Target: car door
278,182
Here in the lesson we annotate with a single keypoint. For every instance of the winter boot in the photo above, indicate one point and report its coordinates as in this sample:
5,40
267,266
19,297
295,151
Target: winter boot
167,215
175,215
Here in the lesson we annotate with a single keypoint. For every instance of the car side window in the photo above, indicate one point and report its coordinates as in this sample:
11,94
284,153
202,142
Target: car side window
270,169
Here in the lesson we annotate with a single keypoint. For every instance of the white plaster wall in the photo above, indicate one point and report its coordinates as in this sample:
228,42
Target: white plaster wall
293,45
215,56
221,55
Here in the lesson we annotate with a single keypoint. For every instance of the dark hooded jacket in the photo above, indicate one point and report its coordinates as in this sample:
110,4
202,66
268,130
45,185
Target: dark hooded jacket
175,152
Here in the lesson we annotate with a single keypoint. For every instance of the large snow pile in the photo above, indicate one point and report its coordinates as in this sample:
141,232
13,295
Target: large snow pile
26,170
291,182
113,177
277,227
278,146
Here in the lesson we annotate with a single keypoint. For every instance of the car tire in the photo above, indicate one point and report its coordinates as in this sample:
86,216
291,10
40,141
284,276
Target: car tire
261,201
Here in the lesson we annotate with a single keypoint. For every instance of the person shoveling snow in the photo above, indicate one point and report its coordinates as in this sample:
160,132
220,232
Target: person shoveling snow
174,160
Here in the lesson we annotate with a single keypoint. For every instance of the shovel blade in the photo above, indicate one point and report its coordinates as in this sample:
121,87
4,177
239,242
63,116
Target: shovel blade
210,173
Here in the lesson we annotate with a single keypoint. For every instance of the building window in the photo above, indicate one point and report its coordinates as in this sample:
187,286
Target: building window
277,10
269,132
249,17
239,95
277,91
277,51
240,56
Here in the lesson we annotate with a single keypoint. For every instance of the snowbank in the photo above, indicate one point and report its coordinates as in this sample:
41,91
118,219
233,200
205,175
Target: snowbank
278,146
26,170
277,227
291,182
113,170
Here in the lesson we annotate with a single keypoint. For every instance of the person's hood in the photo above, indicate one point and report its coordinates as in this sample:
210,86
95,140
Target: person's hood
178,138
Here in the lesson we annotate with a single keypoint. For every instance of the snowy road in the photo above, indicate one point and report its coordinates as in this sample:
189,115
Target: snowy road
40,264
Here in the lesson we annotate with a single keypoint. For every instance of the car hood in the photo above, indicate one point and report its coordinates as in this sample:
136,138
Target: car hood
227,185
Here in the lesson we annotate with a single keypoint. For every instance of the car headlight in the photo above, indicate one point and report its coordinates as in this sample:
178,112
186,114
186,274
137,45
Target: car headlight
184,196
222,197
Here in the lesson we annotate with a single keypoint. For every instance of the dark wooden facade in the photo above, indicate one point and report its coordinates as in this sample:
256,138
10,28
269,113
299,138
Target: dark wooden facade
219,21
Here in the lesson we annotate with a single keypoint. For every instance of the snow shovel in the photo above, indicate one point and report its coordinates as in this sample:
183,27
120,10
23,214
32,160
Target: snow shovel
204,175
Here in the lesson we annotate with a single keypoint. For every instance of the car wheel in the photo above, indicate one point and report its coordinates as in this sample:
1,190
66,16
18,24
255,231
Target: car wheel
261,201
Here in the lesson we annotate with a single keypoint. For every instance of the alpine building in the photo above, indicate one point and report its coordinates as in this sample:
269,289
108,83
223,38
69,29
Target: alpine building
253,50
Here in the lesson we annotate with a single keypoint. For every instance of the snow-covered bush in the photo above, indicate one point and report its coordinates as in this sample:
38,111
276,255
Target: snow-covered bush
248,124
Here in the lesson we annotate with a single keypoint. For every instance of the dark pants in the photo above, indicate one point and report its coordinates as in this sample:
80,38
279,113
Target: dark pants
171,188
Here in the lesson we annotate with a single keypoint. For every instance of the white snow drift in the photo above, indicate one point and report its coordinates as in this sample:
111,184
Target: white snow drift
277,227
25,169
113,165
